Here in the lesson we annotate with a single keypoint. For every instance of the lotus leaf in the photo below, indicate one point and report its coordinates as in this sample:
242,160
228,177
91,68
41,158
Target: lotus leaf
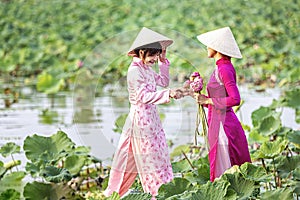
35,146
269,125
56,175
142,196
291,98
119,123
74,163
281,193
10,194
201,161
33,169
9,148
210,191
258,115
176,186
254,136
243,187
12,180
113,196
48,117
294,137
84,150
179,149
270,149
48,84
199,176
287,165
181,166
254,173
2,169
296,187
43,191
296,174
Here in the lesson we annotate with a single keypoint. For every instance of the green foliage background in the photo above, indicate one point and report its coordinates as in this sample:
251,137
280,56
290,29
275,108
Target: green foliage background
38,35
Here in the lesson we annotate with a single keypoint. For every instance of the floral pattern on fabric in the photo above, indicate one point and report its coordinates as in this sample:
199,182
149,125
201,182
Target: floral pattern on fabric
143,131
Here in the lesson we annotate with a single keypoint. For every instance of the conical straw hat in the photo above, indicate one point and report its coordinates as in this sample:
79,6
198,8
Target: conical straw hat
147,37
221,40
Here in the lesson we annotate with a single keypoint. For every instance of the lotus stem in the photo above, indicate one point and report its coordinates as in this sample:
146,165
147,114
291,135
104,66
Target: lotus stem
187,159
12,157
274,173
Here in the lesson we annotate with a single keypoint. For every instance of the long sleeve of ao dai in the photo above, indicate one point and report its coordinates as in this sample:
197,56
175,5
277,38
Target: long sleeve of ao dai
142,81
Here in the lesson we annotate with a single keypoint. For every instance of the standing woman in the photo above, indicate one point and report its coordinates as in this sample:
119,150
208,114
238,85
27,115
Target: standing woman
142,148
226,137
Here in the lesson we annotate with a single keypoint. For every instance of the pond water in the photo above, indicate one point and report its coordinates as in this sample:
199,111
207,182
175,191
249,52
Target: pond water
92,125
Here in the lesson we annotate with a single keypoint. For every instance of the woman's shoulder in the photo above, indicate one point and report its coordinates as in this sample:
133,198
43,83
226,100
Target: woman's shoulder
224,64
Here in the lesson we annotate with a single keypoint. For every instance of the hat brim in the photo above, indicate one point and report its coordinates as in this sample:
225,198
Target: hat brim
221,40
164,44
147,37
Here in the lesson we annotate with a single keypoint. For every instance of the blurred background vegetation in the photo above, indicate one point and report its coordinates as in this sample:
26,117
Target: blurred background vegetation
53,38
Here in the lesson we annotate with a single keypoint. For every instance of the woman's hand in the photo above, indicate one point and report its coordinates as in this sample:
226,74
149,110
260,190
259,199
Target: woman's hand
181,92
162,56
202,99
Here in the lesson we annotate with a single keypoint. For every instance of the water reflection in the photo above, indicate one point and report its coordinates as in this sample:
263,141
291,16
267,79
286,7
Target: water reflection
89,119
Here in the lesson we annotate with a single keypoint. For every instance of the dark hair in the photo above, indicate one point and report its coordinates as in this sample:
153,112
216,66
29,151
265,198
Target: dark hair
150,49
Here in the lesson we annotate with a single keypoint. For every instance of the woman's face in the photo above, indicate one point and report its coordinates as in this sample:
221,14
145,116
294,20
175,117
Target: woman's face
210,52
150,60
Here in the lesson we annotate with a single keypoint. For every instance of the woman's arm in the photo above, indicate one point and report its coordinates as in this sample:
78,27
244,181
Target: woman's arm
163,78
228,77
143,91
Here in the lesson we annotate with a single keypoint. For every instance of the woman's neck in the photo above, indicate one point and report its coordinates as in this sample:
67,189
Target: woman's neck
218,56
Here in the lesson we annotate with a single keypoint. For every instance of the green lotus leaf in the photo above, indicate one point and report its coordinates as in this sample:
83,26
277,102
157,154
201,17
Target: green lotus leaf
254,173
209,191
48,117
201,161
113,196
295,185
269,125
287,165
291,98
254,136
242,187
35,146
260,114
119,123
294,137
296,174
74,163
179,149
297,112
176,186
83,150
141,196
12,180
33,168
270,149
2,169
199,176
9,148
10,194
56,175
281,193
181,166
45,191
49,84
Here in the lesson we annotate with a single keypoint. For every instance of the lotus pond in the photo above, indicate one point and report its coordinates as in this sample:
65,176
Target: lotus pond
60,122
84,133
